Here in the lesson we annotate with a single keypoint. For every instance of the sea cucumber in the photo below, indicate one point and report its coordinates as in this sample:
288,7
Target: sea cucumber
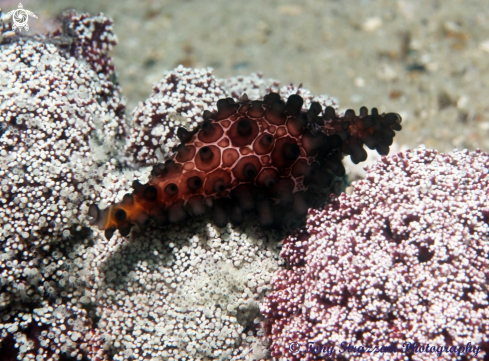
266,156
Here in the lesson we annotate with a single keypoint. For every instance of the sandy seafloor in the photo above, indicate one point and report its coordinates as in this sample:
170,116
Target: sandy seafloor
427,60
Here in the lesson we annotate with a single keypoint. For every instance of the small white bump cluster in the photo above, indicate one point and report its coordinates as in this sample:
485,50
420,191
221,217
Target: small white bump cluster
402,259
60,329
256,87
93,38
55,112
188,293
59,124
178,99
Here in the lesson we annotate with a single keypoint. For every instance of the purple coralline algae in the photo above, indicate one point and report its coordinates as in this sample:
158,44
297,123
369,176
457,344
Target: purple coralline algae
402,259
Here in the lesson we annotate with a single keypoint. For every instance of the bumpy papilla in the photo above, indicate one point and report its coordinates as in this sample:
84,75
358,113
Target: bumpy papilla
269,157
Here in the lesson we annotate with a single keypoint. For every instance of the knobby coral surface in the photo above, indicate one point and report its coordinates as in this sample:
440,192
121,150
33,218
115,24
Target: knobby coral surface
402,259
58,117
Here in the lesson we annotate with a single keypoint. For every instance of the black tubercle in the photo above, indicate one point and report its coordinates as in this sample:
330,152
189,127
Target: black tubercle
225,107
150,193
349,115
120,215
266,140
124,231
128,199
244,127
184,135
294,104
194,183
313,112
278,106
220,212
109,232
291,151
236,215
270,98
329,113
207,115
219,185
171,189
207,127
158,170
137,186
249,171
206,153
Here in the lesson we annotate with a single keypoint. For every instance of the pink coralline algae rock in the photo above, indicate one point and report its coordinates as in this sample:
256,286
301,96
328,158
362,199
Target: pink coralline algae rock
178,99
90,38
402,259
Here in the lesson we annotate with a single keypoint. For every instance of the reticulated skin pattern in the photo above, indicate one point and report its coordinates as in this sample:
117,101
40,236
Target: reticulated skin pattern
267,157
